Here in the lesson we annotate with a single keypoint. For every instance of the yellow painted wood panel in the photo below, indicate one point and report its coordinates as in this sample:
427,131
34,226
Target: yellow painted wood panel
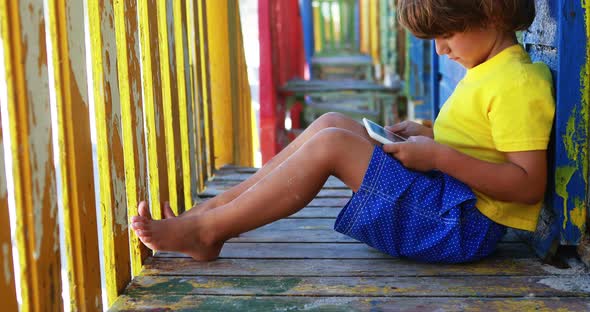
194,102
180,50
28,102
365,34
75,154
221,97
152,97
244,135
7,286
111,167
374,31
205,69
168,100
317,36
129,69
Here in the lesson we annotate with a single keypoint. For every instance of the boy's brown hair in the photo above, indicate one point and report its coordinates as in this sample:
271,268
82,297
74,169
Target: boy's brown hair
436,18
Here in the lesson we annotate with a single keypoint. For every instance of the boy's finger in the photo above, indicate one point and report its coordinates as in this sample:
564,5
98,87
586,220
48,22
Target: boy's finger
391,148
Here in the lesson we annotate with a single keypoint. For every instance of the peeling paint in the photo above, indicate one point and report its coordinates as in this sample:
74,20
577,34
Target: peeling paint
6,262
563,175
579,283
578,213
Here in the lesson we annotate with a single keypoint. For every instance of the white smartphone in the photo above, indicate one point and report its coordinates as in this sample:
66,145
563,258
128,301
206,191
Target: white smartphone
380,134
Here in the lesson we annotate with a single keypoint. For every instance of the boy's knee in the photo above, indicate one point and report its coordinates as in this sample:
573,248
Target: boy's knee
328,140
329,120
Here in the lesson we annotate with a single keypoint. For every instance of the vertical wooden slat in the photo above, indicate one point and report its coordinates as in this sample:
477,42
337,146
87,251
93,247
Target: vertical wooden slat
180,24
7,286
206,90
109,147
241,100
196,120
23,37
220,58
194,102
69,67
128,60
168,99
152,97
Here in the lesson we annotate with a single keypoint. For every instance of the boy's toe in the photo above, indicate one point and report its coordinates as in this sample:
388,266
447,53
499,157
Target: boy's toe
168,213
144,210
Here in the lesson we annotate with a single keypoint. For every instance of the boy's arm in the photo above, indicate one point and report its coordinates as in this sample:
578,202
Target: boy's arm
521,179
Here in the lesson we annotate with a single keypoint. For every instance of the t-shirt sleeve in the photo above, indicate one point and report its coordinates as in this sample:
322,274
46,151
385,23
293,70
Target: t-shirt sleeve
521,116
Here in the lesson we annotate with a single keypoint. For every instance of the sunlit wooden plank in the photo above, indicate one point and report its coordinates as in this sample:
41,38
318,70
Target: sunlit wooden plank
75,155
152,97
194,102
7,286
28,98
180,28
128,60
111,167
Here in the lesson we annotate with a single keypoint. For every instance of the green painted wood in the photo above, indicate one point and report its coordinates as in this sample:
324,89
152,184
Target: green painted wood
349,267
330,251
273,303
450,286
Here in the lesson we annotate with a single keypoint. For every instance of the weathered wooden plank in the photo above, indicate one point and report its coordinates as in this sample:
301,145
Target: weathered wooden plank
316,213
330,251
128,60
195,100
169,99
211,191
328,202
308,231
204,68
295,230
7,285
275,303
75,153
111,166
352,286
222,183
28,102
152,97
348,267
182,71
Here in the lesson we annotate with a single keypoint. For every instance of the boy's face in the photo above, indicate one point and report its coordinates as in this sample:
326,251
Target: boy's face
470,48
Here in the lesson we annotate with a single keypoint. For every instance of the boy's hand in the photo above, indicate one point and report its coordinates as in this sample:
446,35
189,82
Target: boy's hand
410,128
418,152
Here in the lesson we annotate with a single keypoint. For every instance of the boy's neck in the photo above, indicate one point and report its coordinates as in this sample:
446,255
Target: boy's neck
504,41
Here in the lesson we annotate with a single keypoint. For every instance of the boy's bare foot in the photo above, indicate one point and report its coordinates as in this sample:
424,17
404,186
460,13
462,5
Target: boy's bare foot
173,234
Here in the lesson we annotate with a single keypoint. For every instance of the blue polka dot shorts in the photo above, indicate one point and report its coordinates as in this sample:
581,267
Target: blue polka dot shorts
428,217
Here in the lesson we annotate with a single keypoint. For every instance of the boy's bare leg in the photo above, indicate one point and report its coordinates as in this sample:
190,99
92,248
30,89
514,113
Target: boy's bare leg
329,120
280,193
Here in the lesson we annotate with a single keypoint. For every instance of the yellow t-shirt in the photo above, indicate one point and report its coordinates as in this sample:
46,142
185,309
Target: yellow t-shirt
502,105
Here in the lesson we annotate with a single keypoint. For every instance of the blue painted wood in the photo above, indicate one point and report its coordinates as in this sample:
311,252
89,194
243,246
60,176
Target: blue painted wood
419,76
308,30
571,123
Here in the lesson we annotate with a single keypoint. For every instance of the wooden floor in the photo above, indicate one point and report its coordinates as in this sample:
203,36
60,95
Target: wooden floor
302,264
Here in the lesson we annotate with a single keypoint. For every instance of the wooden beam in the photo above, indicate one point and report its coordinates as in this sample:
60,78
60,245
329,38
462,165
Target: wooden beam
107,103
7,286
28,102
132,110
75,153
152,97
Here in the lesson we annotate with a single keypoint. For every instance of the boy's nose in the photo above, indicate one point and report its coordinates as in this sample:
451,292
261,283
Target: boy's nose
441,47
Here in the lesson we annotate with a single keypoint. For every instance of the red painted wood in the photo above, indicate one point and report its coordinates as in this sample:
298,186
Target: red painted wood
281,58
